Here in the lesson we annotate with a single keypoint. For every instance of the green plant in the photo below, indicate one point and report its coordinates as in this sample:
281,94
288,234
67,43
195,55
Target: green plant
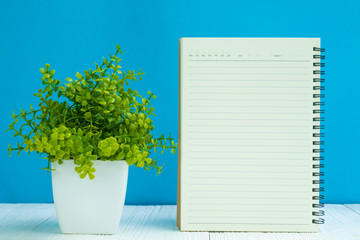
95,117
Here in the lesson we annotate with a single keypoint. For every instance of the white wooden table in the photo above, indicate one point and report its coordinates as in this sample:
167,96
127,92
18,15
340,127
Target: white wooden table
38,221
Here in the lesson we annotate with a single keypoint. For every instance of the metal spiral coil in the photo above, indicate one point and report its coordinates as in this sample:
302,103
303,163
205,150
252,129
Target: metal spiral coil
318,103
318,64
318,95
319,213
315,111
318,119
320,205
318,166
319,189
319,57
318,126
319,88
319,197
317,173
318,150
321,181
318,221
317,49
318,80
318,72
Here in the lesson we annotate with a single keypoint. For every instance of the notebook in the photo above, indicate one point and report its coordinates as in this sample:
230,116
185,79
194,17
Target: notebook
250,134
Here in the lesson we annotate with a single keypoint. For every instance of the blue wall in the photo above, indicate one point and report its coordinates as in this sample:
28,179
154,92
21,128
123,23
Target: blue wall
71,35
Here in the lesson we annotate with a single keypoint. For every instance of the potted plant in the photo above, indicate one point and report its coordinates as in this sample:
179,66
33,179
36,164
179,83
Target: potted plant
92,126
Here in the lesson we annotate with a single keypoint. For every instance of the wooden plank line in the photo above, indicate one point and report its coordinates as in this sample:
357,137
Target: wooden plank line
353,207
43,222
38,221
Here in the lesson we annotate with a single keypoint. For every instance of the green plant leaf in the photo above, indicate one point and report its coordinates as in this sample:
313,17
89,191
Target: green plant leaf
92,118
79,76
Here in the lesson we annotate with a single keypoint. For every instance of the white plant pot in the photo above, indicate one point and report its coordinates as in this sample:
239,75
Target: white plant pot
85,206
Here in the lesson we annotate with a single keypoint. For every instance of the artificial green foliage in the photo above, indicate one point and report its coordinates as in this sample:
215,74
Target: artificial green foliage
94,117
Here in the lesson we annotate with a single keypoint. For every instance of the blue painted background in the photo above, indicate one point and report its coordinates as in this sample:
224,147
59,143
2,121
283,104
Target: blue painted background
71,35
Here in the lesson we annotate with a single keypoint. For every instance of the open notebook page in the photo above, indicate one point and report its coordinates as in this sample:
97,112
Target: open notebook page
246,134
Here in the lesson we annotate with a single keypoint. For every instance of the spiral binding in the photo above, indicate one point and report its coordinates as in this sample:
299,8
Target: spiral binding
317,135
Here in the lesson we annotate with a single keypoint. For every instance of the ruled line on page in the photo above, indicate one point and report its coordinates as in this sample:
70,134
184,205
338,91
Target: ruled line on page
253,163
212,131
257,171
252,119
246,165
247,223
222,125
252,191
243,87
251,204
277,74
267,166
242,197
250,139
207,151
226,210
247,145
238,217
282,67
266,178
252,100
254,80
249,165
242,113
247,93
248,158
233,60
246,184
307,107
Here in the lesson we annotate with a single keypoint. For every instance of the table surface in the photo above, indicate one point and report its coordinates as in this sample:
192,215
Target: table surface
38,221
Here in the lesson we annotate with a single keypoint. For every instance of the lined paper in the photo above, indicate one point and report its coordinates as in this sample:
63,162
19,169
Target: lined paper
246,134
